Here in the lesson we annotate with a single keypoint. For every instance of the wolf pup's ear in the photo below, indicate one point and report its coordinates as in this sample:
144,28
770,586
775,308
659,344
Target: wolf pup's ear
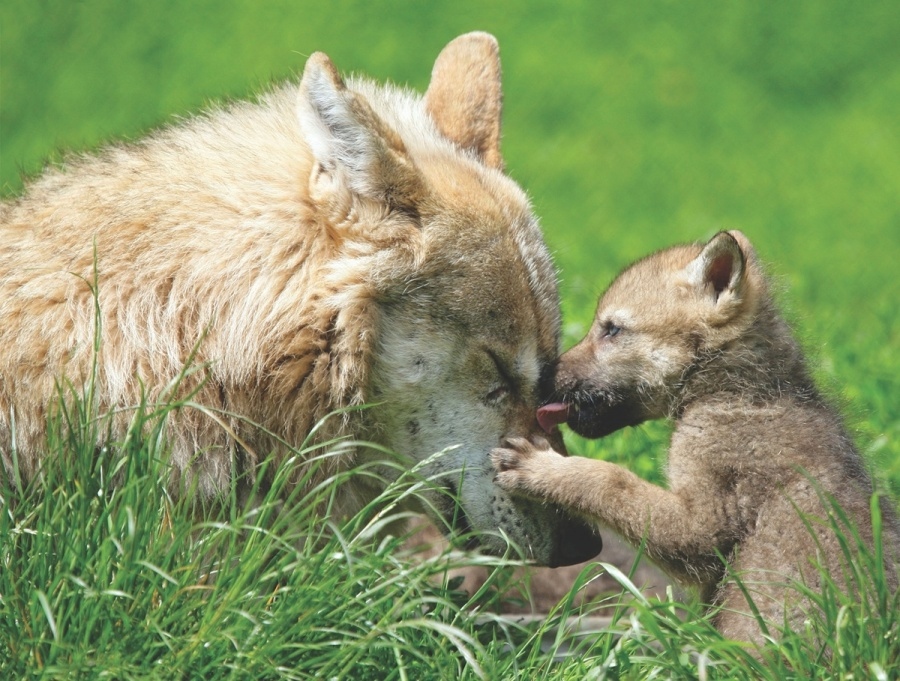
719,269
352,148
465,97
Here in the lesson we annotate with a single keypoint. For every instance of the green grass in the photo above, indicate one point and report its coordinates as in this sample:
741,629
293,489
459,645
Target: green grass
632,126
106,574
122,579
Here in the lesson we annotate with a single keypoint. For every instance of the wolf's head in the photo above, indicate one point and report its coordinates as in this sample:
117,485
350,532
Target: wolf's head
443,291
673,323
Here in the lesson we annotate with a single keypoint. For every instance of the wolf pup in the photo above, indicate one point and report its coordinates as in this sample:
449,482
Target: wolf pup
334,244
691,333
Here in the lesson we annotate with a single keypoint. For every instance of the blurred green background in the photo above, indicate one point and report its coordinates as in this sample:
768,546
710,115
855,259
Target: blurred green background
633,125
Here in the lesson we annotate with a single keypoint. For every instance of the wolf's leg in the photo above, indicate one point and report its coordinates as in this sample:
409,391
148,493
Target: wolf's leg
682,531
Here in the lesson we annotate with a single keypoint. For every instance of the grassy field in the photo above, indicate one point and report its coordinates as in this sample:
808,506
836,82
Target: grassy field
632,126
119,581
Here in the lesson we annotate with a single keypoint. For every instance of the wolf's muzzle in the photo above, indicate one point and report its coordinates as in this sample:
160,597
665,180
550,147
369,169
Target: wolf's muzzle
576,542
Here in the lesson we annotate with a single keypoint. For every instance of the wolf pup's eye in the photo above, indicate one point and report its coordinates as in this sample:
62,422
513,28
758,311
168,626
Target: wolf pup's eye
611,330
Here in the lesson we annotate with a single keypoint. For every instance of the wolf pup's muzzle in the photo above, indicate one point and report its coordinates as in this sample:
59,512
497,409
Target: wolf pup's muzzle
592,418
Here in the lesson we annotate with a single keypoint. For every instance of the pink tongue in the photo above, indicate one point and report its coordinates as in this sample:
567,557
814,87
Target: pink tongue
551,415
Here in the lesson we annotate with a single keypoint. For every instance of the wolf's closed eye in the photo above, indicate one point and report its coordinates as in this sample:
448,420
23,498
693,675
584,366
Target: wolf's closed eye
497,394
506,380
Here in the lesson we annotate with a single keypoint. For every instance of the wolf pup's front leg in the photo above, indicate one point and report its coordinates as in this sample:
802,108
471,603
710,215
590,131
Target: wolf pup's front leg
584,486
524,466
674,525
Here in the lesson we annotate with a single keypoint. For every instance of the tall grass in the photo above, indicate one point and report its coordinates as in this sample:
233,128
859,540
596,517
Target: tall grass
105,571
108,574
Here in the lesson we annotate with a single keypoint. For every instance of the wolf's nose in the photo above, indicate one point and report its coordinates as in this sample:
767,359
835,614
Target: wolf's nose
577,542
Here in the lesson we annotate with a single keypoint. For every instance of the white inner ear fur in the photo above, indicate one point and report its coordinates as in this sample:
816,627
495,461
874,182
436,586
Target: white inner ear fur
696,271
340,144
699,271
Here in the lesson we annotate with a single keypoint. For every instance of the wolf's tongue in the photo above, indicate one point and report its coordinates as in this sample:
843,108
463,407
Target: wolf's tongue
551,415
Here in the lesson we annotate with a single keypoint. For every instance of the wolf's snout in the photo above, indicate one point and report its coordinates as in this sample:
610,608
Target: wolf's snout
576,543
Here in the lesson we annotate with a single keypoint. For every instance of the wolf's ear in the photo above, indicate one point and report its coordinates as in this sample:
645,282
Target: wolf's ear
719,269
351,146
465,98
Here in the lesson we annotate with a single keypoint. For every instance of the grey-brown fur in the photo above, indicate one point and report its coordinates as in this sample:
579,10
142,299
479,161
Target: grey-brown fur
692,333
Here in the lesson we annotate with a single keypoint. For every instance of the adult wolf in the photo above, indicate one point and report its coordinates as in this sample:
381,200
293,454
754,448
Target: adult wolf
331,245
692,333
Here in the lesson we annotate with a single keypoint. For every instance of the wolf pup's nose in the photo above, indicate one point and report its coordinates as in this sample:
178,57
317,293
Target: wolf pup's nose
551,415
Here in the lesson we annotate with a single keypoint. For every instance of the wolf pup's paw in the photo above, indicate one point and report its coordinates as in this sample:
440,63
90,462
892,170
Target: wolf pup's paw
518,463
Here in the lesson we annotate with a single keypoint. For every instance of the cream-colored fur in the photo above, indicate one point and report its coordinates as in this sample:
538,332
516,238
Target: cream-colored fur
331,245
